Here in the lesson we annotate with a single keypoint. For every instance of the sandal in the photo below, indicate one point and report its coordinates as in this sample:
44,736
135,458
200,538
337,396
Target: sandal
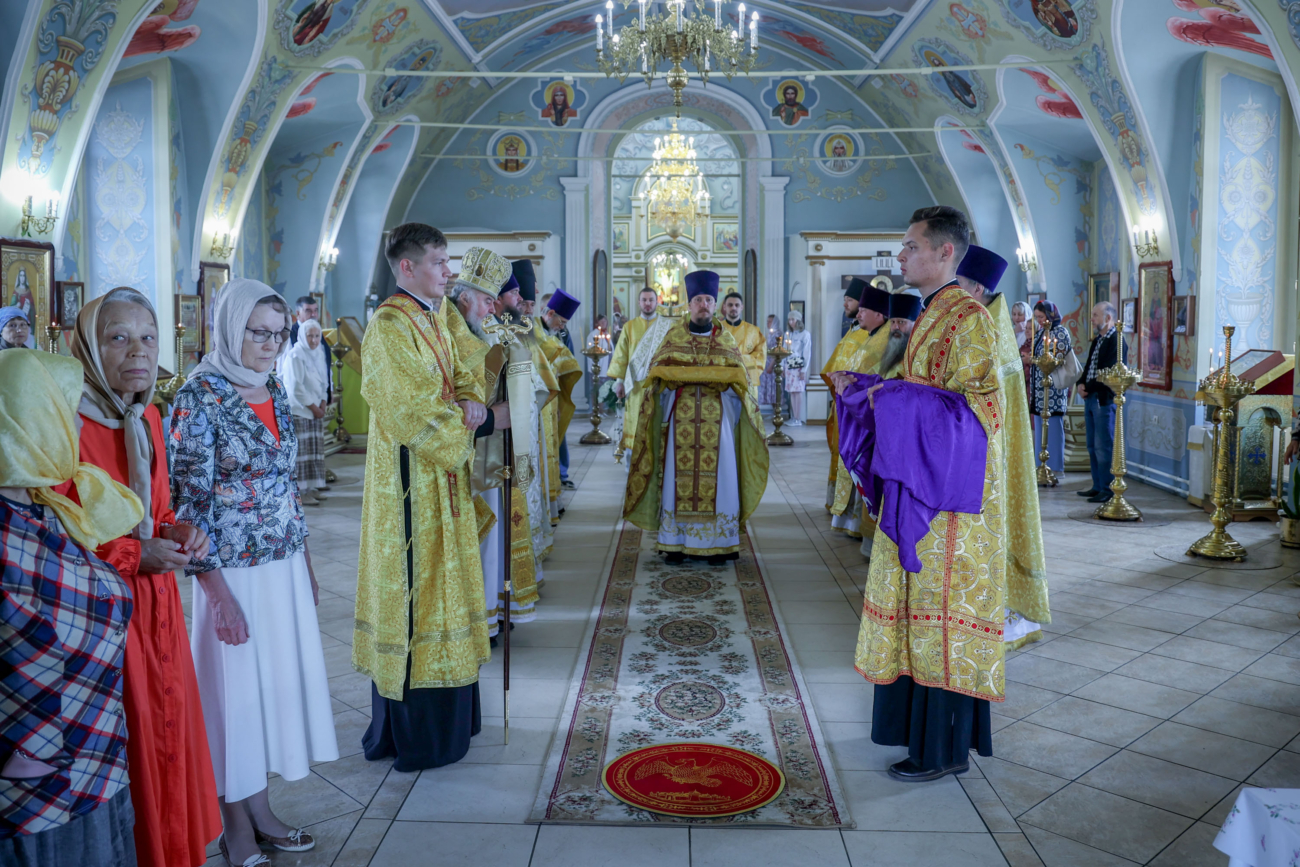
297,841
251,861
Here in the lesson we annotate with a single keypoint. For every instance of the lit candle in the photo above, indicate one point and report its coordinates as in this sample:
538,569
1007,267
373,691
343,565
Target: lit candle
600,33
680,4
753,33
642,16
717,14
609,8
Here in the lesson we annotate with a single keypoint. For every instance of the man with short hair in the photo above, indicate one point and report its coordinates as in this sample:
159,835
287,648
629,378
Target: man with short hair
931,631
852,299
558,308
1099,400
420,631
695,484
752,345
628,377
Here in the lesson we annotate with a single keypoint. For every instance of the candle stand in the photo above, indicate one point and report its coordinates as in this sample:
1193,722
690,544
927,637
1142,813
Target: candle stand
52,333
1046,362
595,437
1223,391
167,390
340,349
778,437
1119,379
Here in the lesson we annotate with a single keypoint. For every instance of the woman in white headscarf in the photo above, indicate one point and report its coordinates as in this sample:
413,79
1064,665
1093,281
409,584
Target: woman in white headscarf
256,641
305,379
797,365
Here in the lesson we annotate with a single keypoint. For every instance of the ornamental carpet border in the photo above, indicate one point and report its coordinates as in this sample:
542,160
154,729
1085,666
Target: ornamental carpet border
687,653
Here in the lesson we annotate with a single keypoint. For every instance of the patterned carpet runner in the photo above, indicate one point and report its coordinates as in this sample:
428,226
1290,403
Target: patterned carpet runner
689,653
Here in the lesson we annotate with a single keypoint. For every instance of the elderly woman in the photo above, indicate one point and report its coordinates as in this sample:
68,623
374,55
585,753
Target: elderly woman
306,380
797,365
64,799
255,638
1049,332
15,329
116,341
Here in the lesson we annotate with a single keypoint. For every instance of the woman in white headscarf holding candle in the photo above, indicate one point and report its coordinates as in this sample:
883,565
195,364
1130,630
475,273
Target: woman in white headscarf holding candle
255,639
305,381
797,365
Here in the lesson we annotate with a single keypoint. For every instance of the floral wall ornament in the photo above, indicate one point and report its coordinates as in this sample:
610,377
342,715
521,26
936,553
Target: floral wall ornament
1111,101
70,42
255,114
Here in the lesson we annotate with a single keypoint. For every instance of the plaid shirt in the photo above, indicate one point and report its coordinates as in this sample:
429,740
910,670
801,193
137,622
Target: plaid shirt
63,618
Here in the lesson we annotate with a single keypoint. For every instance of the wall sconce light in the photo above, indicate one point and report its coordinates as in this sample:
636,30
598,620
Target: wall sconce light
329,258
1145,242
39,225
1027,260
224,248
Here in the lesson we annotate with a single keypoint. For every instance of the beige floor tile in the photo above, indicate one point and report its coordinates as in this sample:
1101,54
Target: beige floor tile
530,738
1180,603
1277,667
1050,674
1107,631
309,800
1261,692
760,847
878,803
903,849
1204,750
853,749
1195,848
1139,696
1237,634
1094,721
354,776
455,844
1261,618
361,845
1279,772
1107,822
842,702
1153,618
1238,720
1058,851
577,846
1071,649
1017,849
1187,676
468,792
1023,699
1212,653
1153,781
990,807
1051,751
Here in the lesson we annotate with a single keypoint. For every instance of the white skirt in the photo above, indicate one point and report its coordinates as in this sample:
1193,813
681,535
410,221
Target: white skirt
266,702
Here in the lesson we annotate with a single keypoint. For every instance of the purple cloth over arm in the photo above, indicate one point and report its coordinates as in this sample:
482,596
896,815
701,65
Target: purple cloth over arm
921,451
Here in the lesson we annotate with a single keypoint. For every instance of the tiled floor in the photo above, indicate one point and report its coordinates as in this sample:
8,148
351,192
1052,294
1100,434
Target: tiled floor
1159,691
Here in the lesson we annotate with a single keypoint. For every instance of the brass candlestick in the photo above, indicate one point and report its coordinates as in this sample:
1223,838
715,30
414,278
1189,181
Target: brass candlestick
167,390
52,333
340,349
595,437
1046,362
780,352
1119,379
1222,391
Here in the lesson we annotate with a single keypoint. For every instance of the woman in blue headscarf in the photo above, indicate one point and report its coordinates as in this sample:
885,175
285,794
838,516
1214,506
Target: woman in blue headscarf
15,329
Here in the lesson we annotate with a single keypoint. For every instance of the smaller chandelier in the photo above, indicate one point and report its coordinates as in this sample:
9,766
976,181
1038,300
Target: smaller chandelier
678,194
675,37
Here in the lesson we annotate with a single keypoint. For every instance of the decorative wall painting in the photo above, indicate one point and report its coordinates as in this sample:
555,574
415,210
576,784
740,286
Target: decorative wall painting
1103,287
26,278
66,303
1156,334
558,102
790,102
1052,23
726,237
509,151
621,239
212,276
1184,315
963,90
600,282
391,93
309,27
189,312
836,149
1128,314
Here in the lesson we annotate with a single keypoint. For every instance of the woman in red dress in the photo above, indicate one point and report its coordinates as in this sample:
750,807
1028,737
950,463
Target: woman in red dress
172,787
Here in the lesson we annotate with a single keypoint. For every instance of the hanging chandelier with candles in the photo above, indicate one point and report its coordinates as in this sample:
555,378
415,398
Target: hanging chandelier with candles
678,194
675,37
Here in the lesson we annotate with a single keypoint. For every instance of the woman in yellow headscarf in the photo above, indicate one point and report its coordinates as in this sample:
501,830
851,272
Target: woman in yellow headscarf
64,799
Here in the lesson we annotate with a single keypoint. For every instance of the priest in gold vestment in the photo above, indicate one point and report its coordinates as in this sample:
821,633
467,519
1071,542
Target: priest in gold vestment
560,308
1027,602
931,639
749,340
628,386
421,629
699,466
859,351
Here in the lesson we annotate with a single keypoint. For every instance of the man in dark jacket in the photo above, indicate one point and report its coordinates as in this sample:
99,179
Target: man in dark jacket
1099,401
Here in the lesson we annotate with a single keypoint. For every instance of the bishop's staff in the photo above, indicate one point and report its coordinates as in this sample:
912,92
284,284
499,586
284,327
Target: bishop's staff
518,446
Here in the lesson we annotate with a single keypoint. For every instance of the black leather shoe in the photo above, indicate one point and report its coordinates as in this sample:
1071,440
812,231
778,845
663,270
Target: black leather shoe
1103,497
568,485
674,558
908,771
1091,492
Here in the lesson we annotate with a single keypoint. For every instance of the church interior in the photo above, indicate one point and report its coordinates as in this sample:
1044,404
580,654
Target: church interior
176,147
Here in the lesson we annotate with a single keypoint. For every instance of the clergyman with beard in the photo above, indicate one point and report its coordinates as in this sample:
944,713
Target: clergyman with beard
904,307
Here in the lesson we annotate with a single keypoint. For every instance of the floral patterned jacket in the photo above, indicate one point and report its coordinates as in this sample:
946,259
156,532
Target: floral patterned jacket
231,477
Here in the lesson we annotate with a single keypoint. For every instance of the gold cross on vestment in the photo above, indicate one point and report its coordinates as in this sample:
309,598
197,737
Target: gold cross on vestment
506,331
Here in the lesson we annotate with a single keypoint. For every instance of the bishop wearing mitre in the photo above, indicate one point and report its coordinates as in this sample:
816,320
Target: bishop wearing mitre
699,464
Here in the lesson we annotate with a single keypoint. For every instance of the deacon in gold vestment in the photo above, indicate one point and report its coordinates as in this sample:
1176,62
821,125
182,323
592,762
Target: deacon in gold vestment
749,340
628,386
931,641
568,372
421,628
859,351
699,466
1027,603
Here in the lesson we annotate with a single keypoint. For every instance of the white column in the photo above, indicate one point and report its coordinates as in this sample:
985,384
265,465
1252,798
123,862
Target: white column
771,254
577,261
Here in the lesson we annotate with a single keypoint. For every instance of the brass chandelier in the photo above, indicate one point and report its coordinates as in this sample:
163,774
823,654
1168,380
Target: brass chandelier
675,37
678,195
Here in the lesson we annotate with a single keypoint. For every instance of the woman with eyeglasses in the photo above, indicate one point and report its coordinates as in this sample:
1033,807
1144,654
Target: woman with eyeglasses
255,639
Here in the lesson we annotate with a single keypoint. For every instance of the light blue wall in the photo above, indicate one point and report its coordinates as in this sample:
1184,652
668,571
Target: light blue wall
299,185
1111,232
250,254
119,171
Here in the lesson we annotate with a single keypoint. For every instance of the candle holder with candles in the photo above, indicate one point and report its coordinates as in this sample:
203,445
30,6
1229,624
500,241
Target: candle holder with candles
1222,390
1118,379
52,332
167,390
595,352
340,349
1046,361
780,352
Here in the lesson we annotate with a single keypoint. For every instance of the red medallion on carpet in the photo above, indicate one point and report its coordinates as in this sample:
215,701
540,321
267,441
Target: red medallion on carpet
694,780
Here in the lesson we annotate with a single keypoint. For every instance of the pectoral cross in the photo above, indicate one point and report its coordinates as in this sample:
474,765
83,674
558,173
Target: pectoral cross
507,331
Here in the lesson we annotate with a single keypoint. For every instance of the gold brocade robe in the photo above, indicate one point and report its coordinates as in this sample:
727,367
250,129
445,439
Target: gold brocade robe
943,625
633,331
859,351
418,453
753,350
702,367
558,413
489,459
1026,557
